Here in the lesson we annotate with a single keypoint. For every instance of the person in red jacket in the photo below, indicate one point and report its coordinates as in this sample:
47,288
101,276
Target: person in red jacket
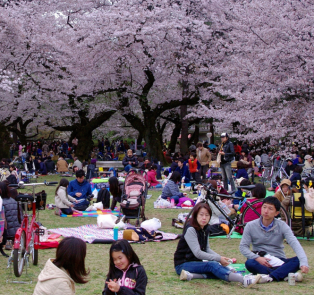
151,177
194,167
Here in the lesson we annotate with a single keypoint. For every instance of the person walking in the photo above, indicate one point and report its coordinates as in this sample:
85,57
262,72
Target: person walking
226,150
204,157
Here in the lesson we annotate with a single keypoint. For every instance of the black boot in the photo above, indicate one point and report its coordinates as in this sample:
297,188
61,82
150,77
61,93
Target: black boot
3,253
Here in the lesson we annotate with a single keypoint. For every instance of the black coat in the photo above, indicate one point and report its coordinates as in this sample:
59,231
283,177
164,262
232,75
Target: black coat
11,216
50,165
135,277
128,159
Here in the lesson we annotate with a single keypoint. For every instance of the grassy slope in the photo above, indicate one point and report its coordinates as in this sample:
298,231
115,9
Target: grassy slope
157,259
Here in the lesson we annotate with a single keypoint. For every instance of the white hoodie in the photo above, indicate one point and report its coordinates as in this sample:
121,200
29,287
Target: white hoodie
54,280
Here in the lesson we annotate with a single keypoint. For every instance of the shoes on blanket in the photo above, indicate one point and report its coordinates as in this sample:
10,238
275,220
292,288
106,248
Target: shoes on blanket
58,212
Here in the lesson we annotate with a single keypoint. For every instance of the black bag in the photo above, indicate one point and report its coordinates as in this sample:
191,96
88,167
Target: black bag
12,179
81,207
104,197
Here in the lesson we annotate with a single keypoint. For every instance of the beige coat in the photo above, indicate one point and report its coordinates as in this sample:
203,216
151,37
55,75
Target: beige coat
204,156
62,199
54,281
62,166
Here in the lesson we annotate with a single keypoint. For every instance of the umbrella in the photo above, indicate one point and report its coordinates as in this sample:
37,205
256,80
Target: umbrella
212,146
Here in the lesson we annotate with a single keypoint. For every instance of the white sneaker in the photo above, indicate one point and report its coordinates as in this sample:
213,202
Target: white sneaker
250,280
265,279
185,275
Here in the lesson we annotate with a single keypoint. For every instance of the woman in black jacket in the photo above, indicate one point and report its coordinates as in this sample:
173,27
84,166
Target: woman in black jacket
11,215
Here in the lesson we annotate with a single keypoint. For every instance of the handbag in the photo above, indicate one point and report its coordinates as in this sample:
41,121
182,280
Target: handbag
309,200
218,159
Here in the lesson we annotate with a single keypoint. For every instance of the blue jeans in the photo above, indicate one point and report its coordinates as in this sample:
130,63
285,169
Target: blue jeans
176,199
157,185
210,269
226,174
127,168
277,273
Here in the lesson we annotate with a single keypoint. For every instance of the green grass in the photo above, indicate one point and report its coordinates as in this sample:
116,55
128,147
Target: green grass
157,259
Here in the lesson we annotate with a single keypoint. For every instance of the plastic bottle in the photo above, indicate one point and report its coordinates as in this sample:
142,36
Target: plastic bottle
115,232
172,203
224,207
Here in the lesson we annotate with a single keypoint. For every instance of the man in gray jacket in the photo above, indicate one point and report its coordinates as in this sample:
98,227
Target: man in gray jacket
266,236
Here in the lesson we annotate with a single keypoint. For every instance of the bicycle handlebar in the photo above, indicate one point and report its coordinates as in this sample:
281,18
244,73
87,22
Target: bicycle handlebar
21,184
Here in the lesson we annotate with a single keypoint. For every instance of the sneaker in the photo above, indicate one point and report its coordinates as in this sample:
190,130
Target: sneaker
250,280
265,279
185,275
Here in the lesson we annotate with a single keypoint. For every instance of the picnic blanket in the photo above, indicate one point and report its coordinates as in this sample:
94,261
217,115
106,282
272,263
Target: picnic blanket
92,232
92,213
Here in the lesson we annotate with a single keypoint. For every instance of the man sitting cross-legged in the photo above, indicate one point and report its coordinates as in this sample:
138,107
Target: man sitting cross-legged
266,236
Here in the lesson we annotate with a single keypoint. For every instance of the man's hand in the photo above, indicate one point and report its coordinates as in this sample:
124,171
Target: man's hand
130,163
113,285
224,261
222,153
263,261
304,269
78,194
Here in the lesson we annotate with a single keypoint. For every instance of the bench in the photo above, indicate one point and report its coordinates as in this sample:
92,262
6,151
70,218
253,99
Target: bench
105,165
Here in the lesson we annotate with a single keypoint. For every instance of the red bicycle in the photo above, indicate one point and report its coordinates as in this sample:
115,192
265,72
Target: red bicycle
26,240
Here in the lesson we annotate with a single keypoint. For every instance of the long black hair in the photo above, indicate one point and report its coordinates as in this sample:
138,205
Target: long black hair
70,255
63,182
114,187
125,247
5,192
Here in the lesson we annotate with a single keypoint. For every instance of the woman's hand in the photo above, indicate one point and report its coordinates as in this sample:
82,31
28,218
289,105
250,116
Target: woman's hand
113,285
224,261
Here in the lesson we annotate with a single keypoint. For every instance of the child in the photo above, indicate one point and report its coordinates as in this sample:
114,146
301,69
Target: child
194,167
126,274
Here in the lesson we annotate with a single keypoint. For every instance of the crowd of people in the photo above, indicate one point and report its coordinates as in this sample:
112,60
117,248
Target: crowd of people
193,257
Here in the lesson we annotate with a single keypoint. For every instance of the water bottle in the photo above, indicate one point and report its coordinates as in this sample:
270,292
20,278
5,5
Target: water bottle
224,207
115,232
172,203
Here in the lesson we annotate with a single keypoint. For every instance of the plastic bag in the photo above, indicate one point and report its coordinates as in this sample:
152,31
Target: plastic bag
106,221
95,193
151,224
95,206
182,217
162,203
44,237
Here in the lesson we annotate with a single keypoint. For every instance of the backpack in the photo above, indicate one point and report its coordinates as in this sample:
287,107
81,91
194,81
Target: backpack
104,197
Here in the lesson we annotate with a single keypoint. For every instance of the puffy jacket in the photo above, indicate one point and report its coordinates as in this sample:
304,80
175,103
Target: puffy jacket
133,281
62,199
151,178
83,188
54,280
228,149
42,170
203,156
11,216
171,189
128,159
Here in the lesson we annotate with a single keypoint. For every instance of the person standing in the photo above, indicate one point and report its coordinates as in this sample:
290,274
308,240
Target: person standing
226,151
204,157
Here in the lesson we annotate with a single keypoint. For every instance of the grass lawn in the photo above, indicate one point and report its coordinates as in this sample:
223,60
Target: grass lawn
157,259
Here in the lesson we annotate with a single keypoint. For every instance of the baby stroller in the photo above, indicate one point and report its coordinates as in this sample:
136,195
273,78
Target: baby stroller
134,196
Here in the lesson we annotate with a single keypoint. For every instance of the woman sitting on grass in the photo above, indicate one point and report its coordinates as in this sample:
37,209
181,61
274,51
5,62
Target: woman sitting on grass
171,189
62,199
194,259
152,177
60,274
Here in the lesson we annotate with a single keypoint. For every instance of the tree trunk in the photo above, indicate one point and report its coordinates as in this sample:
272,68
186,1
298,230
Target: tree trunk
174,137
4,142
139,138
185,130
151,136
212,131
85,143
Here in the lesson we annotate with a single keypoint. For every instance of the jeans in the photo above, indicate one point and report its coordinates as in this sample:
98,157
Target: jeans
157,185
226,174
176,199
277,273
127,168
195,176
210,269
203,171
66,211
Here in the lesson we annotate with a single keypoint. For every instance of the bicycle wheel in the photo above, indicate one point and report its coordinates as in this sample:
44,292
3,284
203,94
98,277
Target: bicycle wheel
18,256
249,214
33,251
